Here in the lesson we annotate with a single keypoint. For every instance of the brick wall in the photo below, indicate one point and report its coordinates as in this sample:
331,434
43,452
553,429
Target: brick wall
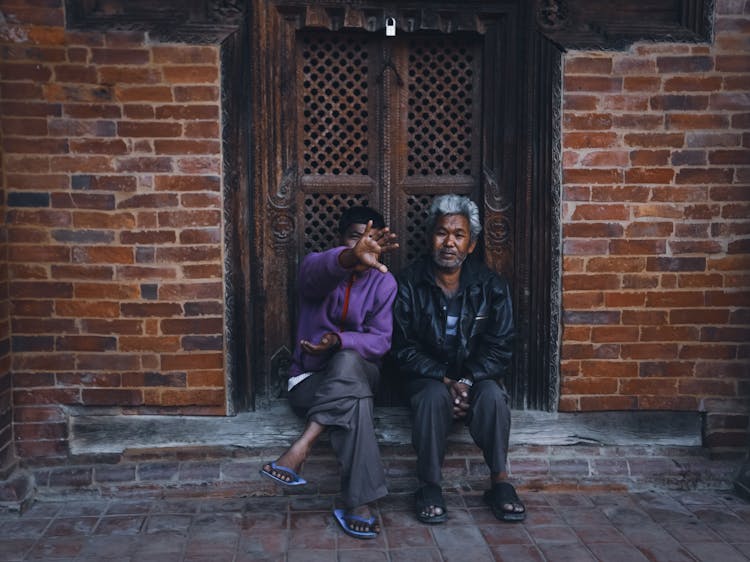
656,157
112,169
6,403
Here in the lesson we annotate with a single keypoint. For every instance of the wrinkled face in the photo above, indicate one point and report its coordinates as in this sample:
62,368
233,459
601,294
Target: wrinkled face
451,242
352,234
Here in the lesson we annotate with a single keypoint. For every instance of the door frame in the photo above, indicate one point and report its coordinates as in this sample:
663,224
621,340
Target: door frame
517,117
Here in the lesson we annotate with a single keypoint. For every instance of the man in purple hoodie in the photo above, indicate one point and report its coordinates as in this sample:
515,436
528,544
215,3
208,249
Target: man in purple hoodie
344,330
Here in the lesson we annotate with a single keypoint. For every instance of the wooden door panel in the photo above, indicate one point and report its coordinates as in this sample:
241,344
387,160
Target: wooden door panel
366,119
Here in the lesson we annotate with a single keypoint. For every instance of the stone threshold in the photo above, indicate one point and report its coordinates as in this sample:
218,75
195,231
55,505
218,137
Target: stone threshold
274,426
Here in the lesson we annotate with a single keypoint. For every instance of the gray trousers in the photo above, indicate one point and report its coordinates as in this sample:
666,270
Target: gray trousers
341,398
488,420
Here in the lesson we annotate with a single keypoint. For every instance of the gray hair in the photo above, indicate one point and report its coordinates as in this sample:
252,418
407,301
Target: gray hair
454,205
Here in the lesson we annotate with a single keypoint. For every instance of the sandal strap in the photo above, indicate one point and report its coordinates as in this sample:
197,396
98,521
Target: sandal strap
430,495
504,493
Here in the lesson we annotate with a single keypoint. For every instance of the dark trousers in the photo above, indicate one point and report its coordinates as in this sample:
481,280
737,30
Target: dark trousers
488,420
341,398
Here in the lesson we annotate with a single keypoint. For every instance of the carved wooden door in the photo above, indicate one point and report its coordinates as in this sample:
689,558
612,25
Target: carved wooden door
387,123
348,116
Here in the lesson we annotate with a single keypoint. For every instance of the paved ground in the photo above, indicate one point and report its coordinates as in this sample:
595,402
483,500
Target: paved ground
576,527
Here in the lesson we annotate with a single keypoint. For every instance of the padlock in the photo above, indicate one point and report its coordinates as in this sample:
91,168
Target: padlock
390,27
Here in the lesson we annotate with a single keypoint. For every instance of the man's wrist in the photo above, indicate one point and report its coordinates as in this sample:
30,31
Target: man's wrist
467,382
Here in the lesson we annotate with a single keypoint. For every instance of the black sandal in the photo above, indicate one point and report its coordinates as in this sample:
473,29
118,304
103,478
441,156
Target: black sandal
430,495
502,494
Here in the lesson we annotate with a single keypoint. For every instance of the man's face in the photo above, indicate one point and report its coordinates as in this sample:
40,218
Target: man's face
352,234
451,242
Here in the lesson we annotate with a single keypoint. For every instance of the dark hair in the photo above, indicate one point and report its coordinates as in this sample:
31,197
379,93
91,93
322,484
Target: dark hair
360,215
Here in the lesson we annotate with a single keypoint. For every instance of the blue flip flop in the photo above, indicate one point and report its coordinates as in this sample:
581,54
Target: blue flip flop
341,517
298,480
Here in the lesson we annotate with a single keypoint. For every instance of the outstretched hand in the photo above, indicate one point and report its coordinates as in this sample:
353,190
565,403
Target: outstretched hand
329,341
369,247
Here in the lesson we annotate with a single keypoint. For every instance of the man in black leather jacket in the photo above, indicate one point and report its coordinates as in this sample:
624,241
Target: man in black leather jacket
452,341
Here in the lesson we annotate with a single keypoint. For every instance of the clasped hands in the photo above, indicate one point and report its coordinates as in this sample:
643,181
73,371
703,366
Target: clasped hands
459,397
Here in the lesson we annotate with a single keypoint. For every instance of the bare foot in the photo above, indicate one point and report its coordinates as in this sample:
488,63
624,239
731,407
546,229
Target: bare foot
363,512
293,458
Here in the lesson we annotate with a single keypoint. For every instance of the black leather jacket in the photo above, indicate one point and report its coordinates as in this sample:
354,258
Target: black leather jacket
485,328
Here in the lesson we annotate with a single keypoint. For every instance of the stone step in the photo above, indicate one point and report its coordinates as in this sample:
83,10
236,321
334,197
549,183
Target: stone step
165,456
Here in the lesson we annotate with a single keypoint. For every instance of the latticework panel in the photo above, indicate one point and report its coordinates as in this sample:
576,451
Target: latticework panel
334,114
414,243
322,213
441,112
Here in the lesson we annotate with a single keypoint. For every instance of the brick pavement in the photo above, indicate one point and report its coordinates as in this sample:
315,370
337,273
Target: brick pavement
610,526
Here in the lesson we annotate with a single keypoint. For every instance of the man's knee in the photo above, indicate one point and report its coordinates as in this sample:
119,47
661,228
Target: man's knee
433,396
489,394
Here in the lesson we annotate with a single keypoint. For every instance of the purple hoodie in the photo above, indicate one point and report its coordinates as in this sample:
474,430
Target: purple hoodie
322,285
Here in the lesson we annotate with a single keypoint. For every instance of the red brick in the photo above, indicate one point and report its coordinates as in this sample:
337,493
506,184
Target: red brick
651,140
187,147
641,84
649,175
195,93
98,201
615,264
684,64
637,247
725,334
108,255
144,164
739,101
192,397
160,344
203,129
144,310
589,386
649,157
191,361
738,211
150,129
603,403
580,247
215,378
704,175
577,102
692,84
705,351
65,308
614,334
730,157
108,362
587,121
625,103
624,299
190,254
110,291
589,140
101,273
39,254
192,326
111,397
679,102
644,317
638,121
672,369
589,282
